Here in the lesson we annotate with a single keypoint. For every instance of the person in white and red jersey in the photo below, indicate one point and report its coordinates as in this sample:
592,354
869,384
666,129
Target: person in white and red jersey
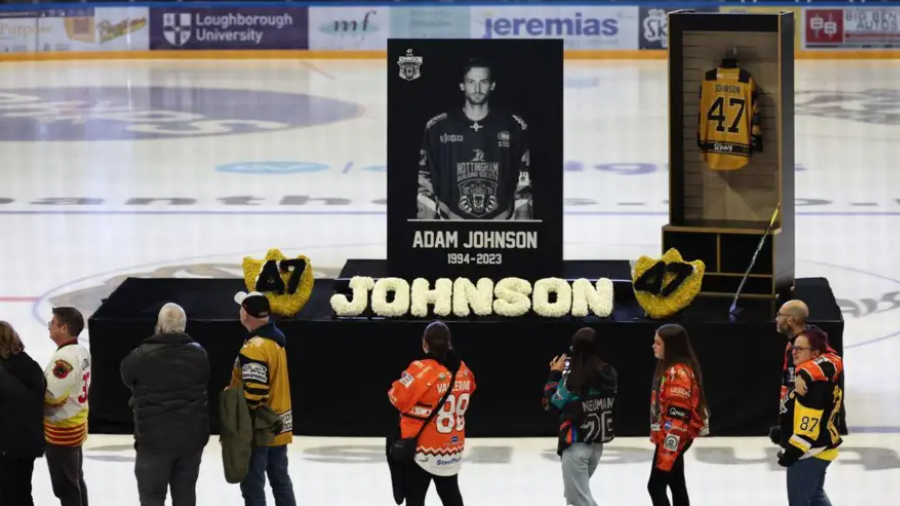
440,444
66,407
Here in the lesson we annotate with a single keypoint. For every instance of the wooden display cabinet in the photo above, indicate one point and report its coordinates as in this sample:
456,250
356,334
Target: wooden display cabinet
720,216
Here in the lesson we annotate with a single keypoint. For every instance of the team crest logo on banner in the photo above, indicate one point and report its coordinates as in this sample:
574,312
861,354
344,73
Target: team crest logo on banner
478,198
410,66
177,28
478,186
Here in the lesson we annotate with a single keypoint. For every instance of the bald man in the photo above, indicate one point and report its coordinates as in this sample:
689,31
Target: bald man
790,321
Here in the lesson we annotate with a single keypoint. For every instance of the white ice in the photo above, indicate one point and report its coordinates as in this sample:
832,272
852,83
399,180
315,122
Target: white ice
616,117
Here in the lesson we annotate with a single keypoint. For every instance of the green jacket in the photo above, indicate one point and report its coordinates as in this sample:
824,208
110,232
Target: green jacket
241,431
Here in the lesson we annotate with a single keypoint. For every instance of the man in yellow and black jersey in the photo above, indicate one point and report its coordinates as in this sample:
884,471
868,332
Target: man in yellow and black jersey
262,366
810,433
729,130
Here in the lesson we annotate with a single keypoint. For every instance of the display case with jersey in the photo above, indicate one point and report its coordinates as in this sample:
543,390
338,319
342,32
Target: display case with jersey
731,150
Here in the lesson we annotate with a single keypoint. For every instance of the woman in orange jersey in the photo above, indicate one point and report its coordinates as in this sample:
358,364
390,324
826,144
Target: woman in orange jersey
417,394
678,413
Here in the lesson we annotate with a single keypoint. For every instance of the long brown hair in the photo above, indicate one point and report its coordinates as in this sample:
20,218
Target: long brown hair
678,350
586,364
437,337
10,344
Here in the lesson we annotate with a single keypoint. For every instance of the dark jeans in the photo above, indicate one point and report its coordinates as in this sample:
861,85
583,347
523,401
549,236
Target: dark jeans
417,480
661,480
156,472
64,463
806,483
271,461
15,481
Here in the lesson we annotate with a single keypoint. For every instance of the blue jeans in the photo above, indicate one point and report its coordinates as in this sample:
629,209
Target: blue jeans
806,483
271,461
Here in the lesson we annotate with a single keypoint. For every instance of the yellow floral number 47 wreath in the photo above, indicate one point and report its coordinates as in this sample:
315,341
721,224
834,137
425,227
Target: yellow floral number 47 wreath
286,282
667,285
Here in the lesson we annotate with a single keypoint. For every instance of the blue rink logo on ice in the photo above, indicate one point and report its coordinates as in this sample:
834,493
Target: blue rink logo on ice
136,113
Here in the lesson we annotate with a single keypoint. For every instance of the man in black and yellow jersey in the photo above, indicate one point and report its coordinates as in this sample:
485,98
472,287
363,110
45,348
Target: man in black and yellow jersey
262,366
810,421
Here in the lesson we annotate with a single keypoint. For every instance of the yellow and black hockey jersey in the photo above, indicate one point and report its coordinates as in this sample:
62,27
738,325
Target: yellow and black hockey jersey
729,130
810,423
262,366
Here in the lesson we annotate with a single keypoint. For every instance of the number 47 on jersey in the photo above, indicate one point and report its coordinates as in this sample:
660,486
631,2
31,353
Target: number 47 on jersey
729,130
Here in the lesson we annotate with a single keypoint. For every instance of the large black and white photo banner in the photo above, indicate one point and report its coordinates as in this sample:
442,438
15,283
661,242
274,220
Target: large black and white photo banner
475,162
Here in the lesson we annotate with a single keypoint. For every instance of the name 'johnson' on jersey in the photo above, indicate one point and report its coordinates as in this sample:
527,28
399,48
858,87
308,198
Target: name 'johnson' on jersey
729,129
474,169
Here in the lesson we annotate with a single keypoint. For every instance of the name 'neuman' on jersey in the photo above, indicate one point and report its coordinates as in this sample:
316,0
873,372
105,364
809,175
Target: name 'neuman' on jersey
595,405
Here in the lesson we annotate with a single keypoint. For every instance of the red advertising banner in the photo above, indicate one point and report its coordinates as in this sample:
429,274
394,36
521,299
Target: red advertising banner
824,27
852,27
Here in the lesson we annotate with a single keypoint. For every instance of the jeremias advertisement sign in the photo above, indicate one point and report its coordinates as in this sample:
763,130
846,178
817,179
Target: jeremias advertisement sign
229,28
579,27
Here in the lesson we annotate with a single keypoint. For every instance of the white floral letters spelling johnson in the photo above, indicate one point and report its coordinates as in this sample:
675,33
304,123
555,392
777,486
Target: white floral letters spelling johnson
509,297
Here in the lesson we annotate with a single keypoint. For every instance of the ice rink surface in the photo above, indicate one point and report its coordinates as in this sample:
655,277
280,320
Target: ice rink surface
182,168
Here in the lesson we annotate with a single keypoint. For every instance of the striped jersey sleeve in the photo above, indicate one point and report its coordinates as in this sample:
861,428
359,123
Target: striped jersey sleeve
256,375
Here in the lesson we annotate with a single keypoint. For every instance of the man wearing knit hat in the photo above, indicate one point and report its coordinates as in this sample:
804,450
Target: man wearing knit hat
262,366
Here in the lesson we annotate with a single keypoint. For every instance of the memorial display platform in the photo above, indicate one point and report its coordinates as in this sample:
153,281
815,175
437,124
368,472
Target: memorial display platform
341,369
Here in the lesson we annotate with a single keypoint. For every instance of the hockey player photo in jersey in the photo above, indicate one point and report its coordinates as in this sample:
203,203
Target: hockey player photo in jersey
474,161
475,157
729,129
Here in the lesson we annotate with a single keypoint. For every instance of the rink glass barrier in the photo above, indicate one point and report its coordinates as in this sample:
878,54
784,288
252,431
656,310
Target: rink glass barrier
590,30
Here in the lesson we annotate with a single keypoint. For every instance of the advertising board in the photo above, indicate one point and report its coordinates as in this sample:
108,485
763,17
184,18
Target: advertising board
580,27
430,23
852,28
18,31
798,17
654,24
94,29
228,28
352,28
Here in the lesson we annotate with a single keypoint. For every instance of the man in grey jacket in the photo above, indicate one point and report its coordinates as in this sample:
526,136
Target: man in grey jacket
168,376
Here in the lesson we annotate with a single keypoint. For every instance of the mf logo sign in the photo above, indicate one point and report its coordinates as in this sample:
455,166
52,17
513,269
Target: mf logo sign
349,28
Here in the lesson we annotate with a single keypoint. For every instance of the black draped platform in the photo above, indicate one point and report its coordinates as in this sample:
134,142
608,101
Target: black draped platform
341,370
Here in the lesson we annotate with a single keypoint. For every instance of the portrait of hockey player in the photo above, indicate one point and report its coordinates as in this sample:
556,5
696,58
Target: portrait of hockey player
475,138
473,163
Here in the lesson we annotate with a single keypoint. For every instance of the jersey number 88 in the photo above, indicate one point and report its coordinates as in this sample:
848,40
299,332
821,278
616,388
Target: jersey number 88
452,415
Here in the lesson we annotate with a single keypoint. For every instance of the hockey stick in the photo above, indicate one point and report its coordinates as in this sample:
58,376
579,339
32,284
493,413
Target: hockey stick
734,310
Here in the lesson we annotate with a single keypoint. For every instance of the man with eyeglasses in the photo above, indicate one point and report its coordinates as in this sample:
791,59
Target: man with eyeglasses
790,321
810,422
